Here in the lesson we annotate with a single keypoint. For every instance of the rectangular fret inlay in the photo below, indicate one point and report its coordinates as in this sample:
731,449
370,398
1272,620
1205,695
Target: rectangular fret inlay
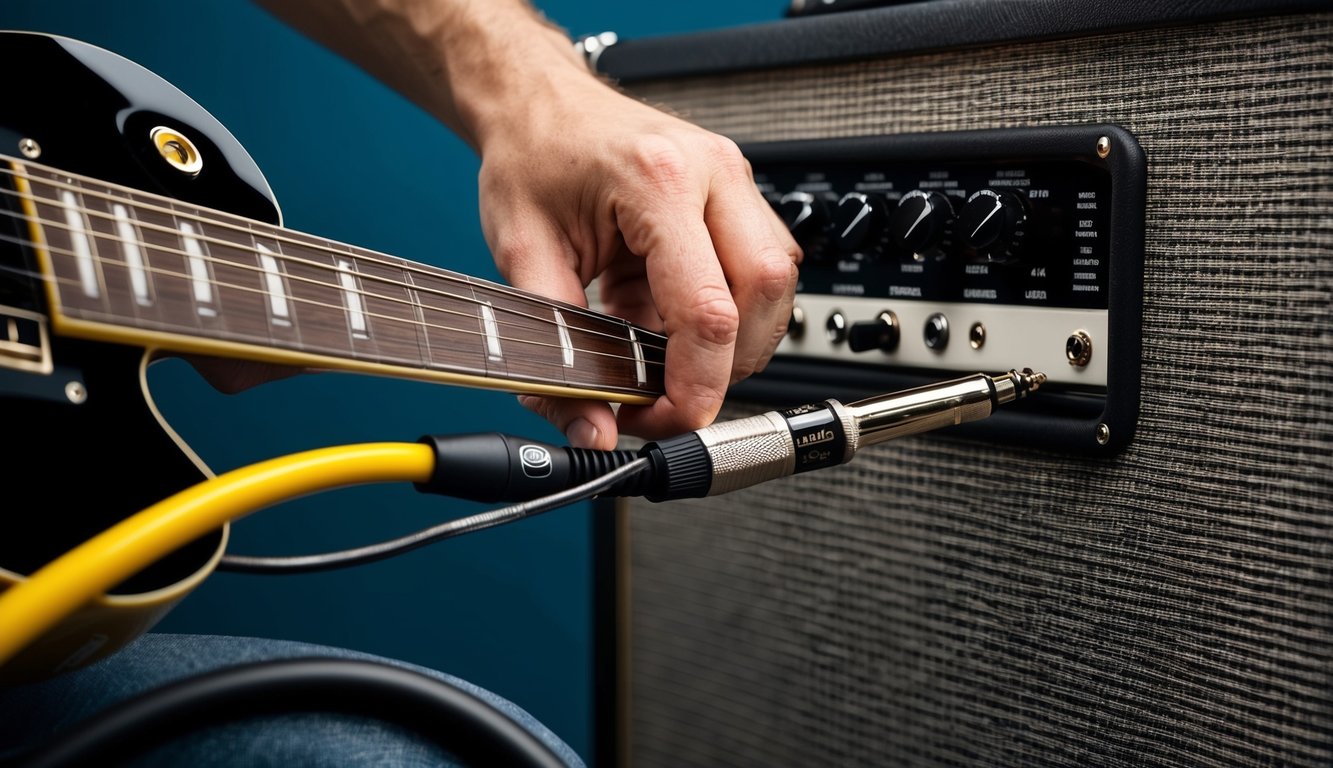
128,266
640,367
493,350
566,347
201,280
277,296
356,314
129,246
82,246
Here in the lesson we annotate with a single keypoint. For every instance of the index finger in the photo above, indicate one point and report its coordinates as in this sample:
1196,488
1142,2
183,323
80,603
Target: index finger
758,257
699,317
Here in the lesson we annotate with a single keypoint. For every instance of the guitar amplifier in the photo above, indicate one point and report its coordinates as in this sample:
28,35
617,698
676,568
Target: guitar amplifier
1136,198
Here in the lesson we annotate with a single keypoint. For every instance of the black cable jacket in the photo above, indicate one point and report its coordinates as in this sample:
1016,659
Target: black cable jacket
494,466
447,530
468,727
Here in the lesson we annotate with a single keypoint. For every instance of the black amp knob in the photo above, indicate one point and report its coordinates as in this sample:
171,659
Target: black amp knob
993,224
807,218
882,333
859,221
921,226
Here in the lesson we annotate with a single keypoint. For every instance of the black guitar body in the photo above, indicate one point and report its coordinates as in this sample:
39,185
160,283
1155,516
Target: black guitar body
83,447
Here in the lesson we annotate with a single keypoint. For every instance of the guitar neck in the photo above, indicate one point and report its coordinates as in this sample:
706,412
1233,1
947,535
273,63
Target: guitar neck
126,266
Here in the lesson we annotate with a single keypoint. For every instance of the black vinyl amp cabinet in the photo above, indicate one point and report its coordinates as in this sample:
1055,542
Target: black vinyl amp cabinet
1043,592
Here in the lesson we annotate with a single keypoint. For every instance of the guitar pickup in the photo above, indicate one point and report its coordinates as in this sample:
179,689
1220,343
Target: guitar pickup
24,342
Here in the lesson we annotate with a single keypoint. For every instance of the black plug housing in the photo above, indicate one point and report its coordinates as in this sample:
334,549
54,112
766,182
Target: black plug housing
681,468
495,467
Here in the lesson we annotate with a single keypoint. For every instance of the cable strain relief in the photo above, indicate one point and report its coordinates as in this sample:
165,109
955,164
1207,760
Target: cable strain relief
682,468
587,464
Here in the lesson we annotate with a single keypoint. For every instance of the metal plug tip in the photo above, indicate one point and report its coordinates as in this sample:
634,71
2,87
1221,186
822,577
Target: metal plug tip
1016,384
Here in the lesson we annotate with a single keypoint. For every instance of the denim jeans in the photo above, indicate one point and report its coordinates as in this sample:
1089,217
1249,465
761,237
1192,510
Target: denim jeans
33,713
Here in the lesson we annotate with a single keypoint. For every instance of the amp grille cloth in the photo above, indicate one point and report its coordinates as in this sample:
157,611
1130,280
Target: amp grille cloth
939,602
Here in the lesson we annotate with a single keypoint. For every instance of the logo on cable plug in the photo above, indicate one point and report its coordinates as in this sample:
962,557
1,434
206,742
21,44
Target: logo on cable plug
536,460
815,438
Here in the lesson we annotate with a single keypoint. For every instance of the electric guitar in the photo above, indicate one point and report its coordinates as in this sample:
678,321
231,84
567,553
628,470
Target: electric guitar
133,226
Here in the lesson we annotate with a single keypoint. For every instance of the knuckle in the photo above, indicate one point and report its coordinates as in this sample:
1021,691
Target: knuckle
725,156
510,249
660,162
715,319
775,276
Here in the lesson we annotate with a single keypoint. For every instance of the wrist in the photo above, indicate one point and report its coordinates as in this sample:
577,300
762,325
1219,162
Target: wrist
503,60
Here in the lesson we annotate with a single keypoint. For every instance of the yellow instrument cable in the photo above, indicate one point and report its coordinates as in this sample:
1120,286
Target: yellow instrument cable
66,583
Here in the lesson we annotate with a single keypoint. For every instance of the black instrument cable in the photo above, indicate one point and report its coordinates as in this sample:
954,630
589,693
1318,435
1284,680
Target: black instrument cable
720,458
496,467
467,727
447,530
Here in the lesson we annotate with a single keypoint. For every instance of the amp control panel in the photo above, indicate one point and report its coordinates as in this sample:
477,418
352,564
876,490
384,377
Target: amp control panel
971,251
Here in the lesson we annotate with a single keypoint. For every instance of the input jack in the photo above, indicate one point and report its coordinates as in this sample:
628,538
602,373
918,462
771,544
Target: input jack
1078,348
936,332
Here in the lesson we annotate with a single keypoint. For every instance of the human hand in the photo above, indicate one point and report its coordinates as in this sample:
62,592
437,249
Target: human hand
581,182
586,183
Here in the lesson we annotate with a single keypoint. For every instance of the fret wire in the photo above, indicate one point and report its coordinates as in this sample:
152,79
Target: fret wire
245,225
332,270
321,249
74,282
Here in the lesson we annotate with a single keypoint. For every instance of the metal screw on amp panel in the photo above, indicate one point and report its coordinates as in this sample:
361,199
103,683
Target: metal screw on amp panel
976,336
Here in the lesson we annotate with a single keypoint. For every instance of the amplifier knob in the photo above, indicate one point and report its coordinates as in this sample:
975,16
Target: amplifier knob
806,216
993,224
858,221
881,333
922,225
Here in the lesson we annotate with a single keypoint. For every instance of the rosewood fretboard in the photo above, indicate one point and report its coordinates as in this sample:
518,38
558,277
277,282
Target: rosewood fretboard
126,265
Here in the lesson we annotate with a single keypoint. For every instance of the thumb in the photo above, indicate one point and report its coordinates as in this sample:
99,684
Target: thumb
586,423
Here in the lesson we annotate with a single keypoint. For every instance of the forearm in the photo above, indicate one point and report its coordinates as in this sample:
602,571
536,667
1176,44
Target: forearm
580,181
470,63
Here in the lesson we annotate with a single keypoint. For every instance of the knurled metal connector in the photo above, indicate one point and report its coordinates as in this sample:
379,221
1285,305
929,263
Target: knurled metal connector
731,455
748,451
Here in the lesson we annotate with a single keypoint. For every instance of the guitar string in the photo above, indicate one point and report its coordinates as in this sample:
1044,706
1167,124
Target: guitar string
649,339
246,226
72,282
342,310
646,336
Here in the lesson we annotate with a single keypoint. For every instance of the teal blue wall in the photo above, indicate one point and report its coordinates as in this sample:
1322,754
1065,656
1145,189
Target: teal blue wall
508,608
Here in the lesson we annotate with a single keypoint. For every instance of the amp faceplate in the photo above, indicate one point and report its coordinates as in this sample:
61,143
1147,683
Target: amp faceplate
959,252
